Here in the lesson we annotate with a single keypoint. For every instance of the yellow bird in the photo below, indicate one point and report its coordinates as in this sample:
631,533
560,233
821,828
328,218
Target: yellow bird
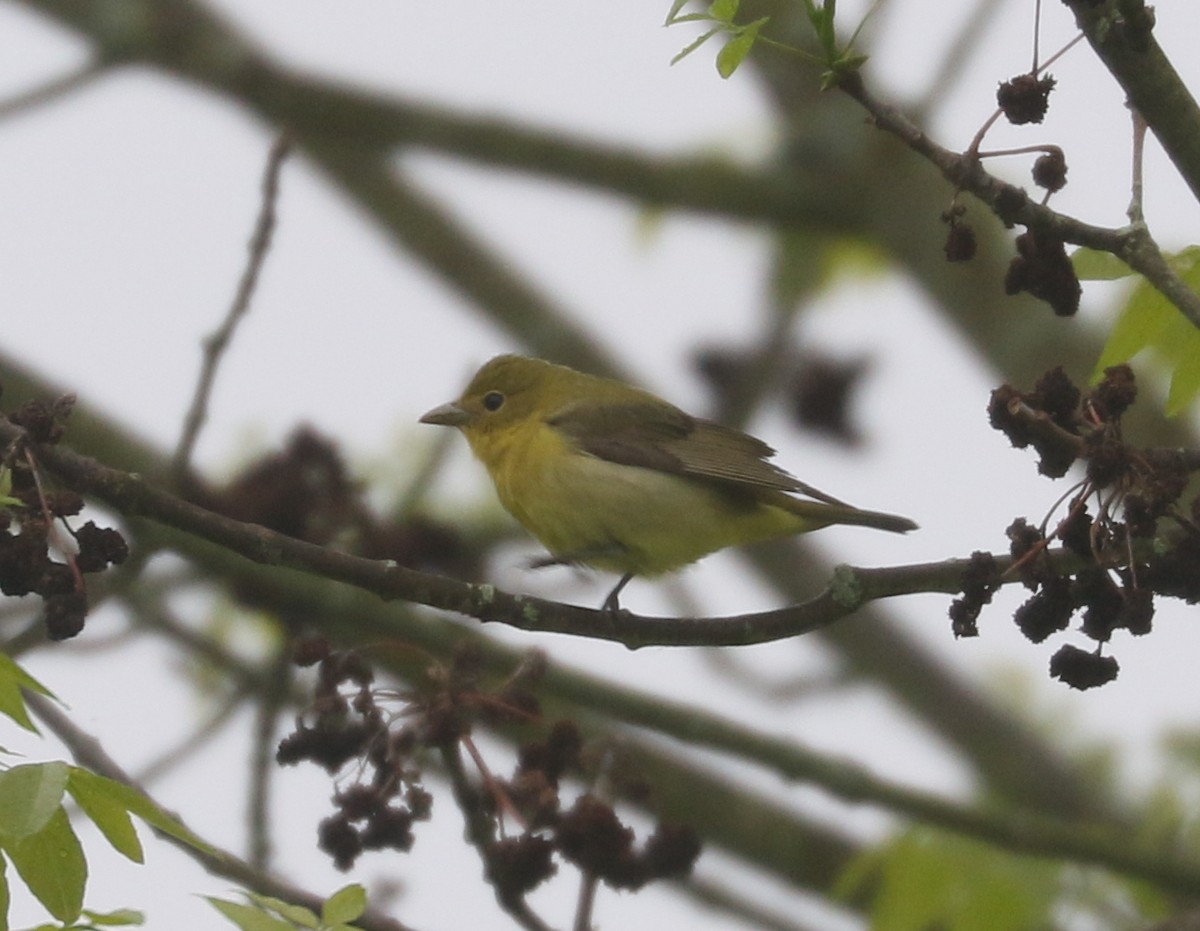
613,477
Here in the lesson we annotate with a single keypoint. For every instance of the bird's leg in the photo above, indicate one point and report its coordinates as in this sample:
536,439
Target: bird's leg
612,604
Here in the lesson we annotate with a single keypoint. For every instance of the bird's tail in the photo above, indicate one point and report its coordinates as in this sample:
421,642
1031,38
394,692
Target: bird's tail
822,515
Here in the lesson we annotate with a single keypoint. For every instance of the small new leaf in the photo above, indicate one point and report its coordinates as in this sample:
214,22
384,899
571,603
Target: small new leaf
673,13
344,906
723,11
248,917
296,915
737,48
1097,265
12,680
1150,321
120,918
695,44
6,499
734,53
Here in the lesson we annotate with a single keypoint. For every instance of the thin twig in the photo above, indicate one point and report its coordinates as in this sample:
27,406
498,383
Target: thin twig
586,902
52,531
52,90
481,834
195,739
216,344
1037,34
262,761
1135,214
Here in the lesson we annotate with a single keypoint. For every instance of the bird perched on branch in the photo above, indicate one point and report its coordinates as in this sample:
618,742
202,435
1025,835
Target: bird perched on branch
614,477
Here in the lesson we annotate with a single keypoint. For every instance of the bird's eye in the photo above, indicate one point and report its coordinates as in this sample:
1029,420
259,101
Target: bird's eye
493,400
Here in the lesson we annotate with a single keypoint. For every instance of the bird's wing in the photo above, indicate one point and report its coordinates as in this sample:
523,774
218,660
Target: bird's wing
656,435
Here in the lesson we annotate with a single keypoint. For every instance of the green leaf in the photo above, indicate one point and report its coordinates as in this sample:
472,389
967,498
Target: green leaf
737,48
1150,321
673,13
927,878
12,679
723,11
5,899
120,918
52,865
29,796
822,20
94,795
734,53
1182,351
345,905
7,500
1141,322
138,804
694,44
295,915
247,917
1097,265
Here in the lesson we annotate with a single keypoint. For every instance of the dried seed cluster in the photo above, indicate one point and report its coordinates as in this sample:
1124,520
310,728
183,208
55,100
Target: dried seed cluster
349,723
305,491
33,526
1025,98
1125,494
818,390
1041,266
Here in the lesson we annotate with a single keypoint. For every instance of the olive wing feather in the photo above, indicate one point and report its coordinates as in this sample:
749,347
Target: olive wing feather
657,435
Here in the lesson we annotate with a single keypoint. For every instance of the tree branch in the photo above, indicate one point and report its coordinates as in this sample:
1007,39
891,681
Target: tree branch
1132,244
850,588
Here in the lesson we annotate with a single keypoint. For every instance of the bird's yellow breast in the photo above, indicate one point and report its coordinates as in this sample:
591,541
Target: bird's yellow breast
618,517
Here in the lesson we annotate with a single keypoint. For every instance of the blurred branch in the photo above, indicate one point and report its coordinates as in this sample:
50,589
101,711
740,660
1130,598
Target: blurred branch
273,700
463,261
52,90
743,906
88,752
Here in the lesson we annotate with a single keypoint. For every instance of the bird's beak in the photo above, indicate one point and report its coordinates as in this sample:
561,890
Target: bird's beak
448,415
